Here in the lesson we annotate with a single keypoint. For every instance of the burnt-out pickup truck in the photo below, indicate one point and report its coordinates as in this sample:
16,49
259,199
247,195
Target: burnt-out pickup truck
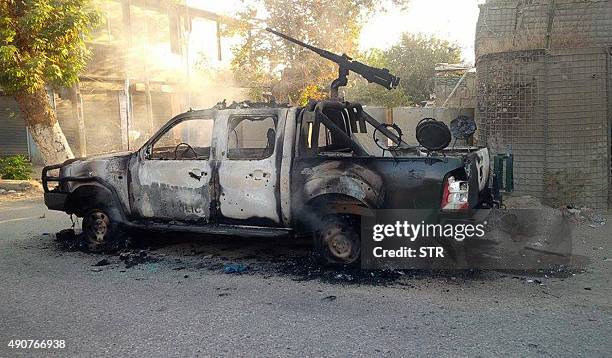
267,171
273,170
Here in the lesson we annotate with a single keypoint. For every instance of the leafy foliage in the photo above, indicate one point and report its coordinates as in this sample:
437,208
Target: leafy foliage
43,42
413,59
270,65
16,168
359,90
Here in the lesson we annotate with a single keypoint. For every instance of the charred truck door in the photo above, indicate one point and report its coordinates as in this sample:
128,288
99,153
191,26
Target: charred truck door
171,176
251,154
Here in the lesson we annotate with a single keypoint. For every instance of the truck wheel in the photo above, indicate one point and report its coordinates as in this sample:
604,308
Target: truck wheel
338,241
101,230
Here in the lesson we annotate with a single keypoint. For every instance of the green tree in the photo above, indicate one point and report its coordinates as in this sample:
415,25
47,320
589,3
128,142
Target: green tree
413,59
42,43
359,90
270,65
15,168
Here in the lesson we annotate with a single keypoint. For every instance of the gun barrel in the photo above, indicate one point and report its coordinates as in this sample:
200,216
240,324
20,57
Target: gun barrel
381,76
324,53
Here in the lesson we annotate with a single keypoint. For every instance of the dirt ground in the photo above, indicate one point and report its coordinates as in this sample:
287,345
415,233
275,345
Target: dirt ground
184,295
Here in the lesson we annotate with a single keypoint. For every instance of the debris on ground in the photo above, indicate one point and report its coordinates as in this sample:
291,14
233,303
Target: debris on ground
152,267
536,281
329,298
344,277
526,235
307,269
584,215
597,220
70,241
296,263
576,214
235,268
136,257
103,262
65,235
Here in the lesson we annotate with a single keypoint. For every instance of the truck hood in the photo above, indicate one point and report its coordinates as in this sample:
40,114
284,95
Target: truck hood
99,156
101,166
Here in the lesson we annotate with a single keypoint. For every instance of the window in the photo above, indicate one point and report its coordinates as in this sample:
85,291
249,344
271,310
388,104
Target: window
188,140
328,142
324,136
251,137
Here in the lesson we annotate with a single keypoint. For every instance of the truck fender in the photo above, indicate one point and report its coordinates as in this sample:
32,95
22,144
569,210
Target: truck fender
91,192
344,180
328,204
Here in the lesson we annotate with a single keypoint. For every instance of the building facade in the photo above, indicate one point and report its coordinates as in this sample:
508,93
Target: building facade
143,71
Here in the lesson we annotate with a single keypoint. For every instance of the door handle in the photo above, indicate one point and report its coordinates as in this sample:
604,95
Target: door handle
197,174
258,174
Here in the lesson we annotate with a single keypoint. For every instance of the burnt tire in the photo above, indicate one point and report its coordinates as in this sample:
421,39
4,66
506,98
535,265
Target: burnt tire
338,241
101,229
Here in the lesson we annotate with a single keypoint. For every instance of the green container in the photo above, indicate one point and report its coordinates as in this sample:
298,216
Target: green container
503,168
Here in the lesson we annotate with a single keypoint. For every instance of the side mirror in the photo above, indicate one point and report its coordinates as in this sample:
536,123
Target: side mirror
148,152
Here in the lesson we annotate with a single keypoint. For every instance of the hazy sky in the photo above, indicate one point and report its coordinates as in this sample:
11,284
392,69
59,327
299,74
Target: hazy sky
454,20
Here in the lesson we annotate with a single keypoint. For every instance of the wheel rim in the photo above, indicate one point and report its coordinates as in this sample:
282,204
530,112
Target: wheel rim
97,225
341,244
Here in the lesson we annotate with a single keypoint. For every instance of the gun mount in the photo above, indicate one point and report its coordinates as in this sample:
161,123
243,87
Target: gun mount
380,76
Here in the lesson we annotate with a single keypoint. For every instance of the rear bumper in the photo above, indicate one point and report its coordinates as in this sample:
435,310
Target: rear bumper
56,200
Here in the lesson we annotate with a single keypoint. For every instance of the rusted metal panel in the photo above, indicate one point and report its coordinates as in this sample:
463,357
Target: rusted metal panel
342,177
166,189
175,189
110,169
250,179
249,187
289,138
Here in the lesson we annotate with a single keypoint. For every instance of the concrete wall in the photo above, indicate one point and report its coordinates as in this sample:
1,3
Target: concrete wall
464,95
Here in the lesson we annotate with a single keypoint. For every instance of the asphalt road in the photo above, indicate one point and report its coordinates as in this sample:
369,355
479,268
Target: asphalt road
183,304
